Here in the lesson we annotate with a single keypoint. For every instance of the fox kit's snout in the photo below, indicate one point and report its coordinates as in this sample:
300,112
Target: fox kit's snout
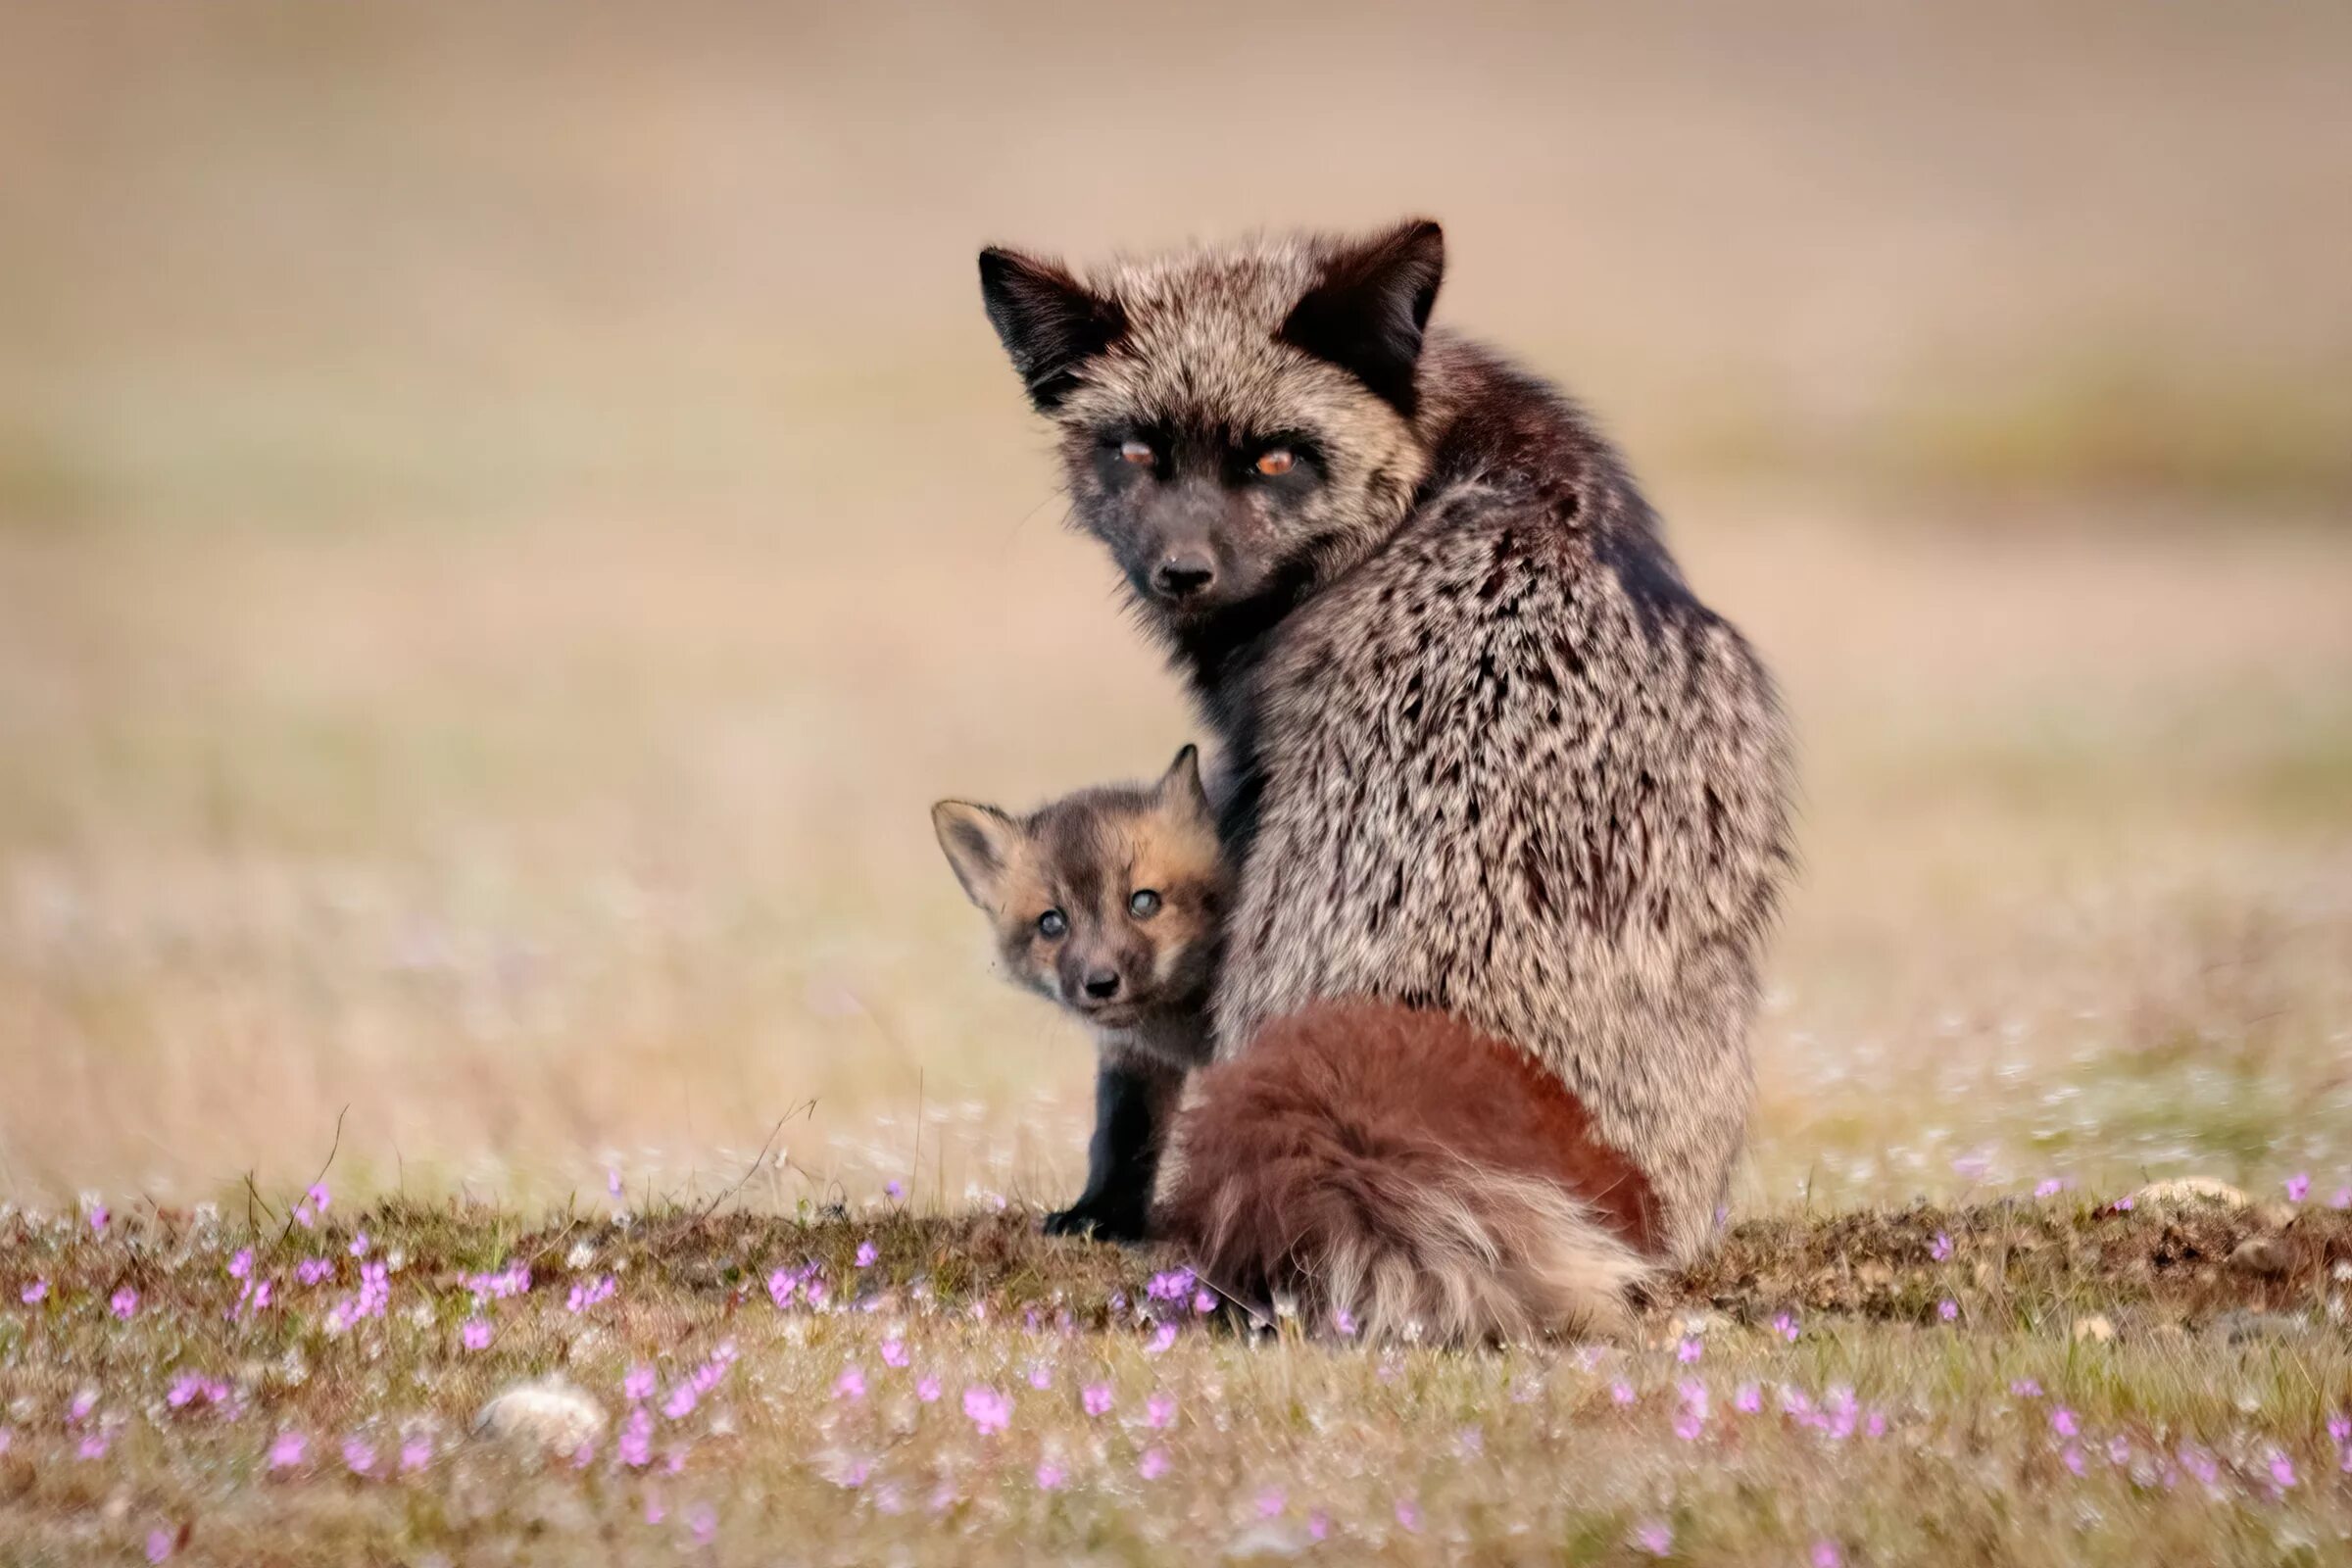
1108,902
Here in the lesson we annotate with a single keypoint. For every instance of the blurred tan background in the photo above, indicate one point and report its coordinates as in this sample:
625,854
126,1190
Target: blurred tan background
509,515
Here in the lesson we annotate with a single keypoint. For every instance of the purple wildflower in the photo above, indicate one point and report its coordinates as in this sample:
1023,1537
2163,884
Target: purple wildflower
1096,1399
1827,1554
475,1335
359,1245
2048,1187
1162,1338
2025,1389
1050,1476
1748,1399
1785,1325
2063,1422
894,1190
1205,1301
99,1215
990,1412
1621,1391
1653,1537
894,1353
2298,1188
1688,1352
1154,1465
286,1450
1041,1376
312,1270
1947,1309
415,1453
35,1293
1160,1412
927,1390
1408,1516
2123,1204
1343,1322
591,1292
2072,1458
866,1254
159,1545
637,1384
851,1385
1940,1251
635,1447
125,1304
2282,1471
359,1457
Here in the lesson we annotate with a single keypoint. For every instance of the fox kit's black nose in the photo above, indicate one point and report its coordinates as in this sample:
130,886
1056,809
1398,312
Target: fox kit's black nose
1102,984
1183,576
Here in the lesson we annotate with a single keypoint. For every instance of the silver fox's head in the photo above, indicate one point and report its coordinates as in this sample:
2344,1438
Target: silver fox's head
1237,422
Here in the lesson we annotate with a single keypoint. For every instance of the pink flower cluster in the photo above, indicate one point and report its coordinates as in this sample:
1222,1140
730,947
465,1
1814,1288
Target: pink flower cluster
512,1280
804,1282
374,1296
591,1292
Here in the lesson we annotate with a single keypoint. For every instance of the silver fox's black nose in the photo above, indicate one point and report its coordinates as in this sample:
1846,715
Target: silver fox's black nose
1102,984
1184,575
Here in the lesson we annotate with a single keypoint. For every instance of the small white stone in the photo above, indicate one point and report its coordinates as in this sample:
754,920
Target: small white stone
549,1412
2189,1190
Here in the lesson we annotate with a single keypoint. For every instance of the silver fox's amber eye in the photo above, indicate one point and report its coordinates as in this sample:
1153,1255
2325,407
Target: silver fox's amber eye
1137,452
1275,462
1053,923
1143,903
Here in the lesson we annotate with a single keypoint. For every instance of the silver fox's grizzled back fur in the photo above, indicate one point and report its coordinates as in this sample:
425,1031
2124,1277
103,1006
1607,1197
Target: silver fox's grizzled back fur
1485,749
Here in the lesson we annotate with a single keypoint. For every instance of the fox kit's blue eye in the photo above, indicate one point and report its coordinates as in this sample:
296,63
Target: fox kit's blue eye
1143,903
1136,452
1053,923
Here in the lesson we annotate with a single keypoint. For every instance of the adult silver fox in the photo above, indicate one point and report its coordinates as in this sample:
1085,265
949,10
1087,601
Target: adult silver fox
1508,804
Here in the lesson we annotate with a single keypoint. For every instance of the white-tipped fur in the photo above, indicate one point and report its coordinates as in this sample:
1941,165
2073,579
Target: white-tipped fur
1480,1255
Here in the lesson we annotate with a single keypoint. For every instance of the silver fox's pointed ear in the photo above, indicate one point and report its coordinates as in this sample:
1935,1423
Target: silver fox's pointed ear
1049,322
1368,313
979,841
1181,784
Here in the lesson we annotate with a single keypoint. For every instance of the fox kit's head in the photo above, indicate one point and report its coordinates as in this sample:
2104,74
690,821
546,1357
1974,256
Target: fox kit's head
1109,900
1237,425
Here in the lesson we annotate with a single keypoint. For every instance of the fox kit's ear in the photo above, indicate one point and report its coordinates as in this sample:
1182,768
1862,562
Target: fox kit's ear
979,841
1367,315
1049,322
1180,785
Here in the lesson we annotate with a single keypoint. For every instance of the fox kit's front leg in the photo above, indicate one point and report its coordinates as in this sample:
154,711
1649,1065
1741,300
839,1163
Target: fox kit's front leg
1134,1099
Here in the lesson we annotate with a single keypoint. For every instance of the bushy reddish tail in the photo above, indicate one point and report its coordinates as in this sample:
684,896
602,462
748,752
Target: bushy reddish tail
1404,1170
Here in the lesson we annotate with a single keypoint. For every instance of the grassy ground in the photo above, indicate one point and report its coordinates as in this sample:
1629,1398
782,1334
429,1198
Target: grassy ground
2006,1383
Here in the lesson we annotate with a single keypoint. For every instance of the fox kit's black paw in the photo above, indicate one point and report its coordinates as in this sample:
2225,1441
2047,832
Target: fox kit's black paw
1102,1221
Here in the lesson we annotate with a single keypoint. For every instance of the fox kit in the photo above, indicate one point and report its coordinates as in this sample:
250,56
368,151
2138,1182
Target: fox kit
1112,902
1508,804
